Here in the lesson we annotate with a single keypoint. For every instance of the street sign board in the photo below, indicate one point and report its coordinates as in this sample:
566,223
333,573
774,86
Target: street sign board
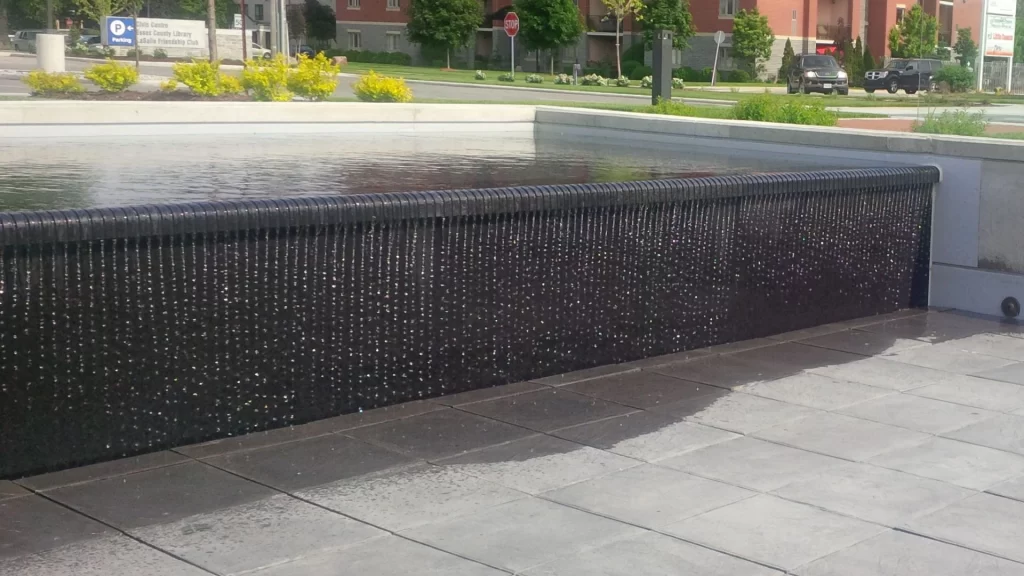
511,24
719,37
238,21
120,31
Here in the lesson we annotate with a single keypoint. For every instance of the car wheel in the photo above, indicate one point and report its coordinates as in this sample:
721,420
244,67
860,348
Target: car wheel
806,89
869,90
789,86
893,87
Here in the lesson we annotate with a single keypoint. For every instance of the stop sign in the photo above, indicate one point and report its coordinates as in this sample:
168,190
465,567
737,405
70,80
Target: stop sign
511,24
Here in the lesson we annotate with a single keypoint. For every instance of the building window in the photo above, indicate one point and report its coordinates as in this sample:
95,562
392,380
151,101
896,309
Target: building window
900,10
353,4
258,12
355,40
394,5
392,41
727,8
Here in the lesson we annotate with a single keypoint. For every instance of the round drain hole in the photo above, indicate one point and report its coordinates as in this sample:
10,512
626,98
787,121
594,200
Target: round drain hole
1011,307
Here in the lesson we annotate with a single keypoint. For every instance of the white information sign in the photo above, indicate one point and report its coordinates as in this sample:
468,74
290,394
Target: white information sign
1004,7
162,33
999,35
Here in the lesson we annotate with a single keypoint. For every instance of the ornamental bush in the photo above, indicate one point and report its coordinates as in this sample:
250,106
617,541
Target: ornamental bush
563,79
112,76
594,80
957,78
267,80
47,83
204,78
534,79
314,78
507,77
480,75
376,88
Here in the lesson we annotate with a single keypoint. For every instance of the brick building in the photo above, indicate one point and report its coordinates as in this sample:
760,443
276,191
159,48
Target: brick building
810,24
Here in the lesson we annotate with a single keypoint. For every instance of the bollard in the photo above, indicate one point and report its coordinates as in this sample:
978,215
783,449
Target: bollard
50,52
661,61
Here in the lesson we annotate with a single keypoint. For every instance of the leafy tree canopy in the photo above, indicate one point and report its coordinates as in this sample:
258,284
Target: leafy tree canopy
443,24
548,24
671,15
916,36
752,37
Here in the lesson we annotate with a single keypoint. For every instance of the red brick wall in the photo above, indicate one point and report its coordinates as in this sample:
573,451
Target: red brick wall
968,15
370,11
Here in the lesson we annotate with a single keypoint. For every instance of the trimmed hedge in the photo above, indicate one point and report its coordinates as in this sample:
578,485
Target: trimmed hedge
371,57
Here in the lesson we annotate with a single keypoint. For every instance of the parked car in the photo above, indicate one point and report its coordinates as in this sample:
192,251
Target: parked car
907,74
25,40
309,52
257,51
816,73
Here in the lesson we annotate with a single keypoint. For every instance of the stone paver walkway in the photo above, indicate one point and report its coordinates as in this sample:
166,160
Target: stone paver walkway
886,446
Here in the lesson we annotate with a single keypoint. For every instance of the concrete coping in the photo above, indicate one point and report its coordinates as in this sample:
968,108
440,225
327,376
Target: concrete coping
853,139
76,112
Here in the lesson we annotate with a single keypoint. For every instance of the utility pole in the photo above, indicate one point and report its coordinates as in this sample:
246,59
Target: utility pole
211,28
49,15
245,37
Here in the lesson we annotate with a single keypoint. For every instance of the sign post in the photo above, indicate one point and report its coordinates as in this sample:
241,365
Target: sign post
512,28
998,26
120,31
719,38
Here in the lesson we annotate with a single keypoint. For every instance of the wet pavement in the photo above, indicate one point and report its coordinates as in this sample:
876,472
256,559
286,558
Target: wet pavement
890,445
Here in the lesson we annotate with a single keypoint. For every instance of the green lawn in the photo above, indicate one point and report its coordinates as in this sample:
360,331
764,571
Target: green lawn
709,111
1008,135
694,90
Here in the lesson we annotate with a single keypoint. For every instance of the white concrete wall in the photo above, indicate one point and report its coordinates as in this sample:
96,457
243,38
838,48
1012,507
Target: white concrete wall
978,218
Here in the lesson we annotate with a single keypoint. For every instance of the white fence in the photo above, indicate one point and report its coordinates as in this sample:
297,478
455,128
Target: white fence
995,77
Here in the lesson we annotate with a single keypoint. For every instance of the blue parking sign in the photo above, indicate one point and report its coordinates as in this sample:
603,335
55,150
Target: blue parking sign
120,31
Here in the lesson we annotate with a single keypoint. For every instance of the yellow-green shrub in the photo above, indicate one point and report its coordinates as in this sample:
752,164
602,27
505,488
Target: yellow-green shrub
267,80
376,88
113,77
44,83
204,78
314,78
169,85
230,84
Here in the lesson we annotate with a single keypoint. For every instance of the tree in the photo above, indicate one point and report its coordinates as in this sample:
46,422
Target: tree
133,7
869,60
198,10
854,61
787,60
671,15
752,38
965,48
98,10
620,10
296,17
548,25
321,25
1018,37
916,36
5,42
443,24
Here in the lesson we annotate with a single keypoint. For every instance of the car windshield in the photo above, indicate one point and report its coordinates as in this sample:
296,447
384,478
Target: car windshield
820,62
898,64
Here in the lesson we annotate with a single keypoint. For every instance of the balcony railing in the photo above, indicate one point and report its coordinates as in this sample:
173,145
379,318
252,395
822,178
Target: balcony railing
604,23
834,32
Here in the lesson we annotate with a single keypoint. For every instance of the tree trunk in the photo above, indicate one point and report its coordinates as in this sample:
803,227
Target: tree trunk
135,17
448,58
536,61
211,28
618,43
552,62
5,42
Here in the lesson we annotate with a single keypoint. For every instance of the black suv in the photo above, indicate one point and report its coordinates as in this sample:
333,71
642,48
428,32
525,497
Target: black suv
816,73
909,75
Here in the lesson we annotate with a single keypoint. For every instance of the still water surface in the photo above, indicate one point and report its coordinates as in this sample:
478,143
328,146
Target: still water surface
87,172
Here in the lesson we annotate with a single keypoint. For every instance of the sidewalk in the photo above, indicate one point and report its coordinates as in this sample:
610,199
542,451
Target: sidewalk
889,445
